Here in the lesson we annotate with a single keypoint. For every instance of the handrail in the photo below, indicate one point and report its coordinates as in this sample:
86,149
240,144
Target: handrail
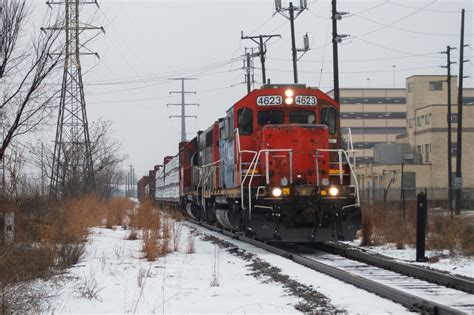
267,151
353,174
351,147
242,181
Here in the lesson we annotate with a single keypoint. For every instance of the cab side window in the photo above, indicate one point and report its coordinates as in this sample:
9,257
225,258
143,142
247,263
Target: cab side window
328,118
245,121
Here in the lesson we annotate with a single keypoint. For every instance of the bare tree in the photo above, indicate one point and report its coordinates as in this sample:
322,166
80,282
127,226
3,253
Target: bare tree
27,95
107,159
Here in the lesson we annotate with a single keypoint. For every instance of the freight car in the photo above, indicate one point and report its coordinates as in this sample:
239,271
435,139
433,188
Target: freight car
276,167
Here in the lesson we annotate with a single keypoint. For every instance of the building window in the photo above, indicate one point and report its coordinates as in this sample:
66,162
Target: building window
427,152
410,87
428,119
419,149
454,149
410,123
436,85
419,120
454,118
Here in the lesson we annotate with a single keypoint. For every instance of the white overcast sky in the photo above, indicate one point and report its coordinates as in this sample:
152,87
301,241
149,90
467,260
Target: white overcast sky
147,42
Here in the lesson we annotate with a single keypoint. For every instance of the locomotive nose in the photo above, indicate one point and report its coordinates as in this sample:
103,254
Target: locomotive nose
290,153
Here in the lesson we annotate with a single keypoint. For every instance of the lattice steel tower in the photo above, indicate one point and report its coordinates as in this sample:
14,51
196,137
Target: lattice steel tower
72,168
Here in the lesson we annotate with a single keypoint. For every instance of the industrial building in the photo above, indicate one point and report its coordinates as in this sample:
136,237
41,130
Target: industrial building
421,151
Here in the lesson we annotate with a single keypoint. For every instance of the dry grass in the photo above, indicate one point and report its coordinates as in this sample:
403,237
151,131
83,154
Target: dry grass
49,237
19,265
176,215
150,244
146,217
148,220
133,234
455,234
175,235
191,247
164,247
116,210
444,232
69,221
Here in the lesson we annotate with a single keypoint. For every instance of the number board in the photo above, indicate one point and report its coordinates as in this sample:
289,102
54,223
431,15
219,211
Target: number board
269,100
306,100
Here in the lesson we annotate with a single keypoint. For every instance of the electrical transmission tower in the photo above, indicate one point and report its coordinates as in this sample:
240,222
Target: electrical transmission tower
183,105
72,168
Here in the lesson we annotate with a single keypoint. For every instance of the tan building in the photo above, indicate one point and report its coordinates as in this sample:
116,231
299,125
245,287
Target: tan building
427,134
374,116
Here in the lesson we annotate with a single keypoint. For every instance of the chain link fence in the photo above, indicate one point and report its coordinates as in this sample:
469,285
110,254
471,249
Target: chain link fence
389,216
438,198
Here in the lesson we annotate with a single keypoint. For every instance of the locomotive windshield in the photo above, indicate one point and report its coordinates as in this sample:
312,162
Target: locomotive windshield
302,117
270,117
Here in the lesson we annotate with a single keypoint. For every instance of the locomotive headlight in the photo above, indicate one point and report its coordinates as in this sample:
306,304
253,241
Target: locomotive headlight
276,192
333,191
325,181
289,100
289,93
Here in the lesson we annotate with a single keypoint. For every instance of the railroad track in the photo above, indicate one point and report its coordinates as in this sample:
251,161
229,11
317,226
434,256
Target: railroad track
417,289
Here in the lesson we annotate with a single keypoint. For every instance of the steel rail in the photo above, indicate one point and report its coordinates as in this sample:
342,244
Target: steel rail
410,301
433,276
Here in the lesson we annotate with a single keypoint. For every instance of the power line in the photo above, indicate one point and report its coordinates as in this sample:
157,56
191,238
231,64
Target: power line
430,55
424,9
360,72
159,97
148,77
396,21
371,8
390,49
403,29
133,100
161,82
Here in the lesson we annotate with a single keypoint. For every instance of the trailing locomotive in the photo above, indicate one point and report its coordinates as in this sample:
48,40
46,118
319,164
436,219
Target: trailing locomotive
274,168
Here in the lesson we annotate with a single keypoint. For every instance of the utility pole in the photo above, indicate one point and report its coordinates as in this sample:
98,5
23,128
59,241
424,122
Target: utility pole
458,179
291,16
127,186
450,167
262,48
72,159
394,67
131,180
336,39
247,76
183,105
249,68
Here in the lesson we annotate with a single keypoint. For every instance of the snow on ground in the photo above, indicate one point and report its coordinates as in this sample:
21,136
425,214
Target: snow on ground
178,283
342,295
113,278
457,265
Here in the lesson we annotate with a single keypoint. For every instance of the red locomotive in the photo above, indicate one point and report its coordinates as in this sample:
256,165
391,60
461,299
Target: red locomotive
274,168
